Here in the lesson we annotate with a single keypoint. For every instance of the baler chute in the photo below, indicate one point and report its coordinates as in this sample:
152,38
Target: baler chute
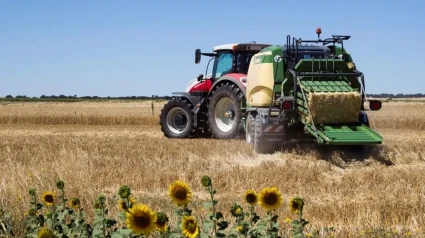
330,102
306,91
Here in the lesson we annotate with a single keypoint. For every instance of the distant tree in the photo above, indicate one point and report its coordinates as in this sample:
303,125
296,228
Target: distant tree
9,96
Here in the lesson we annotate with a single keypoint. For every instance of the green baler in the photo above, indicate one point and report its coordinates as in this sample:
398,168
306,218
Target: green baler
307,91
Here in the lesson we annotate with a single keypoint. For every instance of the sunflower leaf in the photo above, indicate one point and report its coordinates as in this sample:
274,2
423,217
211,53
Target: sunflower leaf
208,225
39,206
207,205
222,225
219,215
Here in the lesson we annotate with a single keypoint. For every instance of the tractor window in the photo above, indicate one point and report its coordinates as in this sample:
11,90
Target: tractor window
243,61
223,64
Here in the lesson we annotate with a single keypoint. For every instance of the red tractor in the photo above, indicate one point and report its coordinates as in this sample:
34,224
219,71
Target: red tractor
212,106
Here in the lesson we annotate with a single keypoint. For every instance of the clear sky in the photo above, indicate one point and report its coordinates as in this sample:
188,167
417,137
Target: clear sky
126,48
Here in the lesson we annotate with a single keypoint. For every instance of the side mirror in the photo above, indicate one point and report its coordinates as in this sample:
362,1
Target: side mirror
197,56
200,77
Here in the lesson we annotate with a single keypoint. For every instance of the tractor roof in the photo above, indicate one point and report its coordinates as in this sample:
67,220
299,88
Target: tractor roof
241,46
224,47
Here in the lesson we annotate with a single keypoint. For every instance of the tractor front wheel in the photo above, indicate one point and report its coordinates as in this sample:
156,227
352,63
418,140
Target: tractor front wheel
176,119
224,114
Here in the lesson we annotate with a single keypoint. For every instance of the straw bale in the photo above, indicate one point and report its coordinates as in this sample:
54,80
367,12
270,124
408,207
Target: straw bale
339,107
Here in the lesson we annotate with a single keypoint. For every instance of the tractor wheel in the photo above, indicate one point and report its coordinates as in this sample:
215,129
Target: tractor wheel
249,129
176,119
261,146
224,114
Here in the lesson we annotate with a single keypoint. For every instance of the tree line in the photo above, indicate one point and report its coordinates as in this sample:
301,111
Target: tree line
87,97
381,95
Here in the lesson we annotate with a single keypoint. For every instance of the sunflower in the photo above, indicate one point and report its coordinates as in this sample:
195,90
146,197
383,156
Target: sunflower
161,222
190,227
49,198
180,192
251,197
74,203
45,233
141,219
236,210
296,205
132,200
270,198
122,205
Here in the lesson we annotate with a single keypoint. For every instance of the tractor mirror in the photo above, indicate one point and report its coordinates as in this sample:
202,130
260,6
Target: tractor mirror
200,77
197,56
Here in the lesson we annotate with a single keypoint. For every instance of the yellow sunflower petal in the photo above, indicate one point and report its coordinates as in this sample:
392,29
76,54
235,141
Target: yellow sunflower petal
190,227
161,226
270,198
48,198
180,193
296,205
141,219
251,197
45,233
122,205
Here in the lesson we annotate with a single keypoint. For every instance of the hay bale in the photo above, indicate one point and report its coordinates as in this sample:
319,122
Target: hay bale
340,107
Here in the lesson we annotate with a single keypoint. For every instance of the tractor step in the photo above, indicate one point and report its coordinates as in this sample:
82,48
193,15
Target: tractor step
346,135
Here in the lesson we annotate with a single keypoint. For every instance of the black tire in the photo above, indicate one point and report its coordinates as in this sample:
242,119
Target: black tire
232,92
185,118
249,130
261,146
203,132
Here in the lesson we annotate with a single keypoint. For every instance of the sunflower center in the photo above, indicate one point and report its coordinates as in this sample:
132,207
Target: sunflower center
142,221
180,193
49,198
295,205
160,223
250,198
270,198
191,226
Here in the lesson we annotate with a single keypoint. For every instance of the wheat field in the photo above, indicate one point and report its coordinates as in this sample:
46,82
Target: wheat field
95,147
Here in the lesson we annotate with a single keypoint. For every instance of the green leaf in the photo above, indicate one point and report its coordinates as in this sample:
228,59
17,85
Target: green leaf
222,225
207,205
174,235
110,222
39,206
221,234
208,225
219,215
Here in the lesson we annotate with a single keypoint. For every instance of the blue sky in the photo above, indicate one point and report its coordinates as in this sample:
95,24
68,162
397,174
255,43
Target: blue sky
125,48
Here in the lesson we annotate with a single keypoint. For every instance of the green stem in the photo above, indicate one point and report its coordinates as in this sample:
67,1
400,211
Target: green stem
53,218
103,220
213,209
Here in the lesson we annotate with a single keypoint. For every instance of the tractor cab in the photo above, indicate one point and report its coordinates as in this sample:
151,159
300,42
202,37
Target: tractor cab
230,58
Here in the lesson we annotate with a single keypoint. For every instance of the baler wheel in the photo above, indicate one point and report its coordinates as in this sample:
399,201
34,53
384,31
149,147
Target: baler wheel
261,145
224,114
176,119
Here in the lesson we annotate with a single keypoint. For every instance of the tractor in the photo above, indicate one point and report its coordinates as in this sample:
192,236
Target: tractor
310,91
212,105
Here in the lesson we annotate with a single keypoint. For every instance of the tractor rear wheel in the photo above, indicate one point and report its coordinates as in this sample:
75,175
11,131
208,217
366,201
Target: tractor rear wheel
224,114
176,119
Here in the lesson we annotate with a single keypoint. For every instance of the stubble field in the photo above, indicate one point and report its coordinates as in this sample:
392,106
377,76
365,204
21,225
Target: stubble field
97,147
